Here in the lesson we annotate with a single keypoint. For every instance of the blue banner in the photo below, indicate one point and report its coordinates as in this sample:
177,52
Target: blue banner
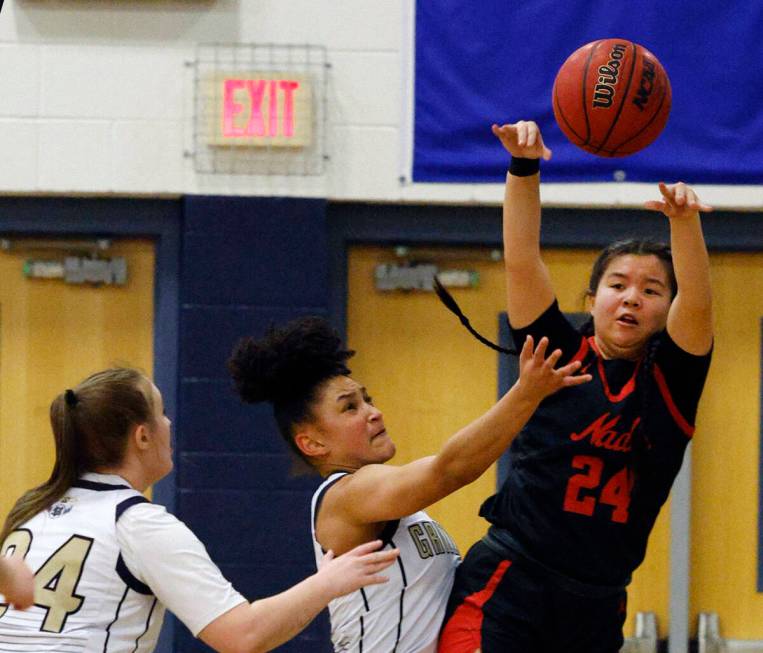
495,61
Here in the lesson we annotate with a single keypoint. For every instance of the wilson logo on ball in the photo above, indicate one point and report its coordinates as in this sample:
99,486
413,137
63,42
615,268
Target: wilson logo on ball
611,97
604,91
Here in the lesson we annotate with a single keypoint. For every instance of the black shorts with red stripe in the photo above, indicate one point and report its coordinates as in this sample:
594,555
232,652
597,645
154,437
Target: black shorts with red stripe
501,605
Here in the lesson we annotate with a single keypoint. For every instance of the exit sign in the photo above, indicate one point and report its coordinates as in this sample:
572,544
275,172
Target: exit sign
259,109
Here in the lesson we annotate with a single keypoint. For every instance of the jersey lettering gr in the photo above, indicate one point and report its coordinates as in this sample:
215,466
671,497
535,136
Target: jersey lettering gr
405,614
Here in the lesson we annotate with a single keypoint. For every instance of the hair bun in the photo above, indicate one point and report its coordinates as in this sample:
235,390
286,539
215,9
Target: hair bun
288,362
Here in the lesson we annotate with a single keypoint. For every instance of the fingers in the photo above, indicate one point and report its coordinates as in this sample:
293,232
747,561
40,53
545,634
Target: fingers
385,557
527,351
506,133
377,566
522,138
570,368
677,199
580,379
540,351
366,547
522,129
655,205
552,360
373,563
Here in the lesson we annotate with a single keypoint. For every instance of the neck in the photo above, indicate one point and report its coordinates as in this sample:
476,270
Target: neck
328,468
610,351
130,473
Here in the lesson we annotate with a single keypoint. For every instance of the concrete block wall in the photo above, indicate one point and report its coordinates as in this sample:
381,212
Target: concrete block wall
95,98
234,484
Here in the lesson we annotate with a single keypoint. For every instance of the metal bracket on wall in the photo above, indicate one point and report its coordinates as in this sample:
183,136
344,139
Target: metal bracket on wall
77,261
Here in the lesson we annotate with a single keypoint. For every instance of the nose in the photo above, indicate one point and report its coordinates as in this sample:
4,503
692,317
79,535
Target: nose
374,414
632,297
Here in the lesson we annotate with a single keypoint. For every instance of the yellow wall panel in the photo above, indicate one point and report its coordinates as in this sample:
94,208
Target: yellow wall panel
726,454
54,334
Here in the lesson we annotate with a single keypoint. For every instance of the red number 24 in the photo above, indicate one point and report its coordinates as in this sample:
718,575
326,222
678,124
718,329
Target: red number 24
616,492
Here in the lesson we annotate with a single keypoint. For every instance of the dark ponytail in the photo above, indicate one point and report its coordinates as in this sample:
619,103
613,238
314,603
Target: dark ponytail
452,305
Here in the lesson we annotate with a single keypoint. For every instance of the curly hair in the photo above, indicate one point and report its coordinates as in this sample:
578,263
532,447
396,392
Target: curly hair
287,368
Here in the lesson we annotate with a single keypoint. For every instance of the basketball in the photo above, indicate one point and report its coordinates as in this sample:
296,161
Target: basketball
611,97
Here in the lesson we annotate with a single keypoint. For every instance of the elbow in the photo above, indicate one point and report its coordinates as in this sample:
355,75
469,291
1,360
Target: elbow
248,643
237,639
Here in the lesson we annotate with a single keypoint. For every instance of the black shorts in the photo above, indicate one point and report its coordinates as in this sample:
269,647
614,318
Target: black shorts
506,606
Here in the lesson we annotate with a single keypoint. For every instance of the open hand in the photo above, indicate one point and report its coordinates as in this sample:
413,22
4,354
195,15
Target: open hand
537,374
522,139
678,201
357,568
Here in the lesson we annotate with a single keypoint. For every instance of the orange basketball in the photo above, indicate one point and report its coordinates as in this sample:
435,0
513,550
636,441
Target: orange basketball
612,97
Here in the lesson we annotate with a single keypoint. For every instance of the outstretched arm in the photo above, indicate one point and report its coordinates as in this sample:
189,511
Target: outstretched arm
268,623
690,316
528,285
379,493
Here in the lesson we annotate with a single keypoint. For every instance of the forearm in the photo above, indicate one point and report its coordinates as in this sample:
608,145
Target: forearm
528,285
691,262
267,623
521,220
468,453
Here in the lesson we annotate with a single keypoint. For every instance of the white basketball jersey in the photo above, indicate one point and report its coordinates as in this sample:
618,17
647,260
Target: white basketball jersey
86,600
403,615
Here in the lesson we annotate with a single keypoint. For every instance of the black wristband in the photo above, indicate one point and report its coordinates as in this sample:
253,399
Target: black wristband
524,167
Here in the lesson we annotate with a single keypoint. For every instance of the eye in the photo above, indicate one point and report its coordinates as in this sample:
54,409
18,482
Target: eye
617,285
369,399
350,405
652,291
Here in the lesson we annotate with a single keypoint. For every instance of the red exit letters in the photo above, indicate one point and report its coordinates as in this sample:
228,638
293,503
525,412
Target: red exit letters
255,108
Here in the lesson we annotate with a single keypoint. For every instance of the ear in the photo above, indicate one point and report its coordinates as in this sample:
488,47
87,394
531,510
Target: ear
310,443
590,300
141,437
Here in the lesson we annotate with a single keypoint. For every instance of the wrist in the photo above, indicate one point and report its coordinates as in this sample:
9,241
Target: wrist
521,167
325,586
526,397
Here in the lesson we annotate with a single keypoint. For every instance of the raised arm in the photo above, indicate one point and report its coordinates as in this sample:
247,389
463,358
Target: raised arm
690,317
528,285
268,623
376,494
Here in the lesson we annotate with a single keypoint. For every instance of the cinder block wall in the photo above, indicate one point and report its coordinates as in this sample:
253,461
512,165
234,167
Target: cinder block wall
246,263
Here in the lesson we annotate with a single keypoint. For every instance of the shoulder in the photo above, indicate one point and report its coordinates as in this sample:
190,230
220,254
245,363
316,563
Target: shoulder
143,524
677,361
554,325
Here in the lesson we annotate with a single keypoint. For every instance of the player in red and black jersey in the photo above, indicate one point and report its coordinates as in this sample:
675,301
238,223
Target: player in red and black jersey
591,469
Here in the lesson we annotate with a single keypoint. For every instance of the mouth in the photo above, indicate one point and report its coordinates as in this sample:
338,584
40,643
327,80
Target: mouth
381,433
627,320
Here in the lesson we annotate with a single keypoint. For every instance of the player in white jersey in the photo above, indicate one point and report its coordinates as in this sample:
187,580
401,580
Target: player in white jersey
331,423
107,562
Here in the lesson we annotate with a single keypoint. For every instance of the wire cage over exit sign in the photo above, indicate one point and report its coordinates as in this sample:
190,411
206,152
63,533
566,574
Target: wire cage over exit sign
260,109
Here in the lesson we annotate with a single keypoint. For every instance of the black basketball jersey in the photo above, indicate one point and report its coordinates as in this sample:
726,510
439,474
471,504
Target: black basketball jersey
589,472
